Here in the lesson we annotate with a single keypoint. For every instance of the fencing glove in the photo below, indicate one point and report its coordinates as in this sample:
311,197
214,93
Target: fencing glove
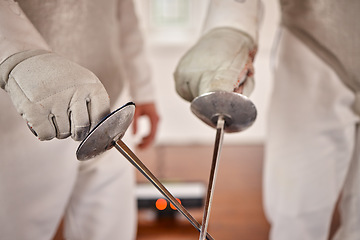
220,61
56,97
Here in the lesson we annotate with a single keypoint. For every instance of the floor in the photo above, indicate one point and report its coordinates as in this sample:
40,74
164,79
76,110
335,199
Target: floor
236,211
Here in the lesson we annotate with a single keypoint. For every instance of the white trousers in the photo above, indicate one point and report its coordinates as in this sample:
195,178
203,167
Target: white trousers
41,182
312,152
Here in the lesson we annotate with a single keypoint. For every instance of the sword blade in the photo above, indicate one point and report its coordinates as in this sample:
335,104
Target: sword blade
213,174
135,161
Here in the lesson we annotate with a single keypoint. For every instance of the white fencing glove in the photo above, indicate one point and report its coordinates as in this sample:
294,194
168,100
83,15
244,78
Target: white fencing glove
57,97
220,61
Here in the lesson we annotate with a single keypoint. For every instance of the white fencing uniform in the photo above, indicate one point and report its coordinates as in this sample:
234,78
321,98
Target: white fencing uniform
310,145
41,182
313,141
312,152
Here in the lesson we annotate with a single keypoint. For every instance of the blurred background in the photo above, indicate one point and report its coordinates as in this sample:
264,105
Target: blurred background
183,150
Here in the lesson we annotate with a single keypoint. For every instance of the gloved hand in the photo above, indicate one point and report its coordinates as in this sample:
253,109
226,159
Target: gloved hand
220,61
57,97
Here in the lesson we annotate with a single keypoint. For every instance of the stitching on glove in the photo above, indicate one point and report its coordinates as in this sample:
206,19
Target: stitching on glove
53,123
55,93
12,61
17,85
189,89
88,107
11,77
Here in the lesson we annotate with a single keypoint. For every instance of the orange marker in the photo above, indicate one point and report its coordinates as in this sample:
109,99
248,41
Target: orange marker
161,204
172,206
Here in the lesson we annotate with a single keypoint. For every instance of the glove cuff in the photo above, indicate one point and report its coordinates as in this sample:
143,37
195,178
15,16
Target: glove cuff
8,64
219,61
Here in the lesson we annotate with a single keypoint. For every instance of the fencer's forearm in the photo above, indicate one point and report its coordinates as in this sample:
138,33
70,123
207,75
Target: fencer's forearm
17,34
135,58
243,15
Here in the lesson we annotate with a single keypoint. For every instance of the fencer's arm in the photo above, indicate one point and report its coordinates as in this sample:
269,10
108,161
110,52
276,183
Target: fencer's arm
138,71
242,15
56,97
222,58
133,49
17,34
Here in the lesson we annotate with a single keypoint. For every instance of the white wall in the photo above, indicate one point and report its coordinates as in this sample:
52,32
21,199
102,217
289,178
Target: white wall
165,47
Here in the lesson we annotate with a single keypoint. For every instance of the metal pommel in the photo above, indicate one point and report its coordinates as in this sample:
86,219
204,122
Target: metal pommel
238,111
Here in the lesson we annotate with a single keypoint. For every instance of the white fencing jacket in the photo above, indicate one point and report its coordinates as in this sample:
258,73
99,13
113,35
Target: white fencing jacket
102,36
